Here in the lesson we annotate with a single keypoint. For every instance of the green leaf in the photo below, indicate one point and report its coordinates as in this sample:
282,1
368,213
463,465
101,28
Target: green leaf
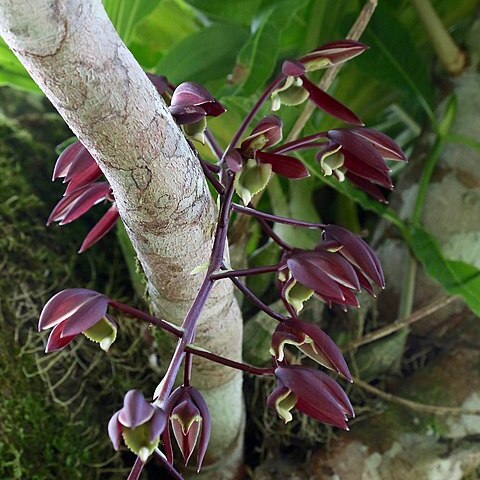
258,57
457,278
126,14
237,11
12,71
156,34
205,55
393,58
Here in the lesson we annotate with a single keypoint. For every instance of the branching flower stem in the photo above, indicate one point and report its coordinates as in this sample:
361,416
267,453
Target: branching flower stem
256,301
244,367
274,218
244,272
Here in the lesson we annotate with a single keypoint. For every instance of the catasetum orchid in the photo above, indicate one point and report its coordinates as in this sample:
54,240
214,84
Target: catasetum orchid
190,421
75,311
336,270
258,163
297,87
139,423
311,392
359,154
311,340
190,105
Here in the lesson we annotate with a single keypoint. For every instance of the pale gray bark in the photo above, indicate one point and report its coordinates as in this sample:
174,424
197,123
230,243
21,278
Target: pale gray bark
72,51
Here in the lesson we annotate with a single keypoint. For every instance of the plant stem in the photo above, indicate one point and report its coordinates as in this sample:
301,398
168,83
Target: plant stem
452,58
136,470
244,272
134,312
220,189
189,324
256,301
244,367
274,218
213,144
399,324
408,288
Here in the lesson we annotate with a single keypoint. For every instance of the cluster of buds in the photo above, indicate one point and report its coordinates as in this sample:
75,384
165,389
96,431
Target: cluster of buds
80,170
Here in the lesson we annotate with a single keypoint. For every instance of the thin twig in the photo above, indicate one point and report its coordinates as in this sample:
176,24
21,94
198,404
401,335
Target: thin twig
399,324
325,83
256,301
410,404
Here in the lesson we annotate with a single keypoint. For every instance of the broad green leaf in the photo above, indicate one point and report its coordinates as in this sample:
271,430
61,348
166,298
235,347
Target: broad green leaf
457,278
12,72
237,11
393,58
126,14
205,55
258,57
160,31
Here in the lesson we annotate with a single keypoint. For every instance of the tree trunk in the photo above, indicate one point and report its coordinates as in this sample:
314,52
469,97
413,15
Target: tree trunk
72,51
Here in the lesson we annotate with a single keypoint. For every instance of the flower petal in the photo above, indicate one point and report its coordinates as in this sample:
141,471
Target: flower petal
332,54
284,165
87,315
115,431
62,305
367,186
328,104
357,252
136,410
56,341
103,226
360,147
385,146
65,160
206,426
90,196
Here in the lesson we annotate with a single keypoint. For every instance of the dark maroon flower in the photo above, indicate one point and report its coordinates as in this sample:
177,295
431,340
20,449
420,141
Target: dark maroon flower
356,251
312,341
359,154
311,392
267,133
139,423
339,267
191,103
74,311
80,171
101,228
332,54
77,167
327,274
297,87
190,421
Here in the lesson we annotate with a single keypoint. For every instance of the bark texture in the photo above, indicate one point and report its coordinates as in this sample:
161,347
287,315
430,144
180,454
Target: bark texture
72,51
